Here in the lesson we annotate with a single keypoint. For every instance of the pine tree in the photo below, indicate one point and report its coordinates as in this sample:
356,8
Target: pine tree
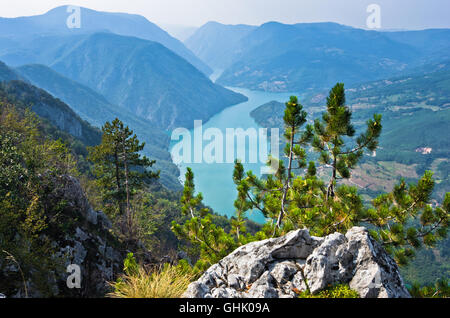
402,221
272,196
332,134
121,169
209,242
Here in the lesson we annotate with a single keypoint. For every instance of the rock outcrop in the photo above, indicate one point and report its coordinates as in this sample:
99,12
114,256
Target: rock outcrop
84,241
283,267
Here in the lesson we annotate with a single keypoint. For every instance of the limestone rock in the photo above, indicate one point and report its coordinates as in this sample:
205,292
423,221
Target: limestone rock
282,267
85,242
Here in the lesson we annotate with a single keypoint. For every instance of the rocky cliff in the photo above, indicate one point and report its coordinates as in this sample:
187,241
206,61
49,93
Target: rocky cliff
59,114
84,241
283,267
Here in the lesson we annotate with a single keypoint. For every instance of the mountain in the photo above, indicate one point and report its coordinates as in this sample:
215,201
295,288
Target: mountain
427,86
434,44
47,107
416,113
54,22
95,109
7,74
90,105
144,78
179,32
37,176
217,44
309,56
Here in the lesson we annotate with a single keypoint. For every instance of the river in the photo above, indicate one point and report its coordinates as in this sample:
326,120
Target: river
215,181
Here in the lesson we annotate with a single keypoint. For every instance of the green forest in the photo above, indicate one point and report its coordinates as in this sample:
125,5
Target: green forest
137,161
149,219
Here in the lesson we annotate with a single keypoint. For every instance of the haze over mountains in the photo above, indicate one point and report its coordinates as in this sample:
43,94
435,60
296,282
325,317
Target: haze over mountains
217,44
52,23
305,56
122,65
95,109
145,78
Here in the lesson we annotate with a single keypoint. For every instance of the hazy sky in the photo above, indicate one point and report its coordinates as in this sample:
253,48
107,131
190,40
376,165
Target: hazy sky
395,14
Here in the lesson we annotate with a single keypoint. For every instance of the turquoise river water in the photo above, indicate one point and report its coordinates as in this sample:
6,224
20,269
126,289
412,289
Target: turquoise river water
215,180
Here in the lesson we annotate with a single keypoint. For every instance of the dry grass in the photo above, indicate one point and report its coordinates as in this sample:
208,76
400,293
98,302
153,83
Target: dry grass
165,282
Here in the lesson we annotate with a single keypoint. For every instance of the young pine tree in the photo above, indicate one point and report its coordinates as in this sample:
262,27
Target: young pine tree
402,221
333,138
121,170
273,196
209,242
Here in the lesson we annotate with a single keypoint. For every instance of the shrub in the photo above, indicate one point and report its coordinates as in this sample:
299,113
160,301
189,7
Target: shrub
338,291
440,290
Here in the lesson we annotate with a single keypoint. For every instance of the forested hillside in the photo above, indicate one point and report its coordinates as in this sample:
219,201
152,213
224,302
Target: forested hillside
357,204
16,33
145,78
55,111
50,193
300,57
94,108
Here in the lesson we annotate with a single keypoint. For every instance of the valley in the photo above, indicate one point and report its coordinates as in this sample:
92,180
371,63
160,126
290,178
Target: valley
92,174
221,198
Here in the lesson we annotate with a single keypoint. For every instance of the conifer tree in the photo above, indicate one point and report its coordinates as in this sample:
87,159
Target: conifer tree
402,221
332,134
272,196
209,242
121,169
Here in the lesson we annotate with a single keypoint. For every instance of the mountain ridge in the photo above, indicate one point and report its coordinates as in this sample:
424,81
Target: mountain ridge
53,23
217,42
95,109
280,57
146,78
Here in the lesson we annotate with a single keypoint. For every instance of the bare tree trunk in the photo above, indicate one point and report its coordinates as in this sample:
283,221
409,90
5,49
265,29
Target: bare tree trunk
116,162
127,189
287,185
330,189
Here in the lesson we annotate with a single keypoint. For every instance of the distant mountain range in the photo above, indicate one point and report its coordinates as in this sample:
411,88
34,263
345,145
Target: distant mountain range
165,74
217,44
115,65
144,78
22,30
310,56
